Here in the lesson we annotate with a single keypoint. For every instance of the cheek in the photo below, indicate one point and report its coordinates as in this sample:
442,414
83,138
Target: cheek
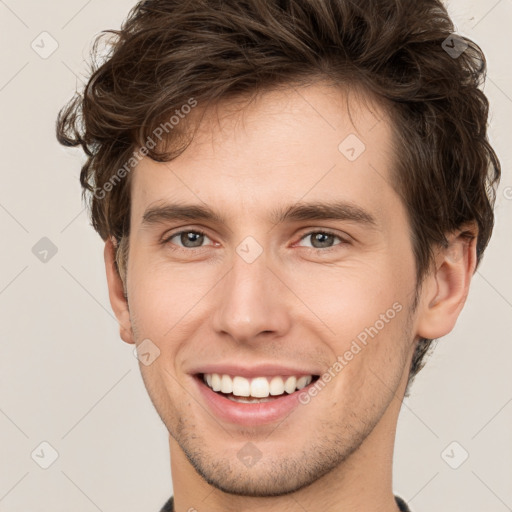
361,314
349,298
162,294
372,363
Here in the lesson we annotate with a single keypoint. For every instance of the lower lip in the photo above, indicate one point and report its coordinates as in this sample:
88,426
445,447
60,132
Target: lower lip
249,414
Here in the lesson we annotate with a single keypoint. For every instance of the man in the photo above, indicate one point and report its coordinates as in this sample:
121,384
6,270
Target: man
294,196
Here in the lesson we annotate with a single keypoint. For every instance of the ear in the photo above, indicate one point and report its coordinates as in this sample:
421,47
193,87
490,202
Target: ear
116,293
445,289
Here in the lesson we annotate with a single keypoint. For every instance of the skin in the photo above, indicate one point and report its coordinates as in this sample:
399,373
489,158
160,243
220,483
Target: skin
294,305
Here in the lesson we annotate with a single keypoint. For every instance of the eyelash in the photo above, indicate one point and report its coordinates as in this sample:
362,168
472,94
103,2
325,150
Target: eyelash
167,239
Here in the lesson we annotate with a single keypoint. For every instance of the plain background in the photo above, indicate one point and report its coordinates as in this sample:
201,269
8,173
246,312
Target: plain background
67,379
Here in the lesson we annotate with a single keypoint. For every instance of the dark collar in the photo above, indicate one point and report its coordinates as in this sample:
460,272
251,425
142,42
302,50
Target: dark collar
169,506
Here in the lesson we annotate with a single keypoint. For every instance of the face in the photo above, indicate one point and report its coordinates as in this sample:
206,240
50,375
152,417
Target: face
305,268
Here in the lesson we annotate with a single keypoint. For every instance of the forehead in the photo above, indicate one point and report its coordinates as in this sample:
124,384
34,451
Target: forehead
318,143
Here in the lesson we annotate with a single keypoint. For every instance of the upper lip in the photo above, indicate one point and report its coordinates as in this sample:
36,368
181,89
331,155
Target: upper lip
253,371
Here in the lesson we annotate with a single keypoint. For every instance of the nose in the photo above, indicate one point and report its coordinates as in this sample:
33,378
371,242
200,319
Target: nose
251,302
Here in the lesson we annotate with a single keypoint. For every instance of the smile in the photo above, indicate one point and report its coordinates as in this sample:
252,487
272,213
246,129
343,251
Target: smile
258,389
252,401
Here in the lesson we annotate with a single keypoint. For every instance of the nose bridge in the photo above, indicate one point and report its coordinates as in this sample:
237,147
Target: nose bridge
249,300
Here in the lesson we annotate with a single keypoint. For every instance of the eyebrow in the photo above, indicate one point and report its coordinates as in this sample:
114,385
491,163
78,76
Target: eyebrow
338,210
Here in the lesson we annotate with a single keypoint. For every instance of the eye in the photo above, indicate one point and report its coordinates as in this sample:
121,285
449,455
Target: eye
322,239
189,239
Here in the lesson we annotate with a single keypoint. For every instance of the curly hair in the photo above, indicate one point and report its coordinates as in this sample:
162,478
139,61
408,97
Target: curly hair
405,53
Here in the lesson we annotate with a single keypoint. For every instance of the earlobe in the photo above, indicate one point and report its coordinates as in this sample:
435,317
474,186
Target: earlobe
445,290
116,293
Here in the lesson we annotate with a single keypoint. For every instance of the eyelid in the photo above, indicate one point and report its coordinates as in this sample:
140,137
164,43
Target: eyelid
344,239
171,234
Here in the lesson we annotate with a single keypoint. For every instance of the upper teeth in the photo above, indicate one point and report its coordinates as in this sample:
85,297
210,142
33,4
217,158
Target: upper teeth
259,387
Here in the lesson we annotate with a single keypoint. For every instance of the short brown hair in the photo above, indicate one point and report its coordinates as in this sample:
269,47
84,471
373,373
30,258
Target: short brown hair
169,51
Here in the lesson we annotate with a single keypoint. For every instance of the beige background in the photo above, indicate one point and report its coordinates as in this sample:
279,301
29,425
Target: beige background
67,379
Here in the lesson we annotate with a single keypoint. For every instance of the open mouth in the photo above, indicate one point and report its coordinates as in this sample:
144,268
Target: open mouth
256,390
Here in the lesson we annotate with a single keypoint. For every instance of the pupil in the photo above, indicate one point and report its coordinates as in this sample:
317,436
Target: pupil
190,236
319,236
